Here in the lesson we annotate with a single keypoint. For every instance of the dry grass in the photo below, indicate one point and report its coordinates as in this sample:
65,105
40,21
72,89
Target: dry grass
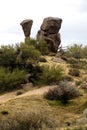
25,110
19,110
50,62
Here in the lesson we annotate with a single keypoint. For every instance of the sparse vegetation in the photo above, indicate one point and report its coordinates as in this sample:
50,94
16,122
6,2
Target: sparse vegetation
26,114
75,51
16,62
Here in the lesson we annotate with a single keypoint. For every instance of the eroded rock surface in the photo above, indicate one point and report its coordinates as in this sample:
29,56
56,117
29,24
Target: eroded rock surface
26,26
49,32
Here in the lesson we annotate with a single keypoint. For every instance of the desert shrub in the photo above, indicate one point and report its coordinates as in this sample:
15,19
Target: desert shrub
83,64
34,120
85,52
11,80
28,56
38,121
50,74
75,51
29,52
72,61
36,72
42,47
7,56
33,42
18,56
74,72
77,63
64,92
39,45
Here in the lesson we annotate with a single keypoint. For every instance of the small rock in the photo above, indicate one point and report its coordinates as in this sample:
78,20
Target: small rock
27,86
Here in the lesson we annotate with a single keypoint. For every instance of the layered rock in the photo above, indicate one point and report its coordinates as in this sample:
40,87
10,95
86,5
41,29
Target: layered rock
49,32
26,26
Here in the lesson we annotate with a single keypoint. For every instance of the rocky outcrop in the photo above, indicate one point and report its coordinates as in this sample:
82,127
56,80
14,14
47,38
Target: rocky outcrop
49,32
26,26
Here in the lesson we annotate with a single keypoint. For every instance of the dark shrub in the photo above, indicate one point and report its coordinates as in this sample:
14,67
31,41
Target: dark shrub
7,57
74,72
42,47
4,112
36,73
29,52
64,92
11,80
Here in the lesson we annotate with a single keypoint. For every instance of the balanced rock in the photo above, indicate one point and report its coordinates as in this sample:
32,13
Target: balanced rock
49,32
26,26
51,25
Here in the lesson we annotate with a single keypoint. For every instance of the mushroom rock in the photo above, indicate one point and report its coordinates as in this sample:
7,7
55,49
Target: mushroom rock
26,26
49,32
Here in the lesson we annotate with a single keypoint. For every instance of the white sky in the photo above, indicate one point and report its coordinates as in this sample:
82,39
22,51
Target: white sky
73,13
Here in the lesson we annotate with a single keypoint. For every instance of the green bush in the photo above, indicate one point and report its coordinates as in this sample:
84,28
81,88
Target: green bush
39,45
74,72
42,47
11,80
64,92
85,52
7,56
49,75
29,52
72,61
75,51
28,56
36,72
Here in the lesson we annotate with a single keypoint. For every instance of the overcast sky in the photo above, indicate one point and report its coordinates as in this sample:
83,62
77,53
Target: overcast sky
73,13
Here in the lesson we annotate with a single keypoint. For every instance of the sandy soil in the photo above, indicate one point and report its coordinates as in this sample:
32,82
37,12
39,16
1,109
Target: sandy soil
12,95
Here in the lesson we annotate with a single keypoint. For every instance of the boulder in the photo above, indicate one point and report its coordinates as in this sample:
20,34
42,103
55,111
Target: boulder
51,25
49,32
26,26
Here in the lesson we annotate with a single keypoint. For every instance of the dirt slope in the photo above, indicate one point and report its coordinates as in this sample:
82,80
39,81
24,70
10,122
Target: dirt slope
12,95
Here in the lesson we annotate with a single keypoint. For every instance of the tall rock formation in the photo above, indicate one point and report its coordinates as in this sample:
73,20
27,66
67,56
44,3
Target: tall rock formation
49,32
26,26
